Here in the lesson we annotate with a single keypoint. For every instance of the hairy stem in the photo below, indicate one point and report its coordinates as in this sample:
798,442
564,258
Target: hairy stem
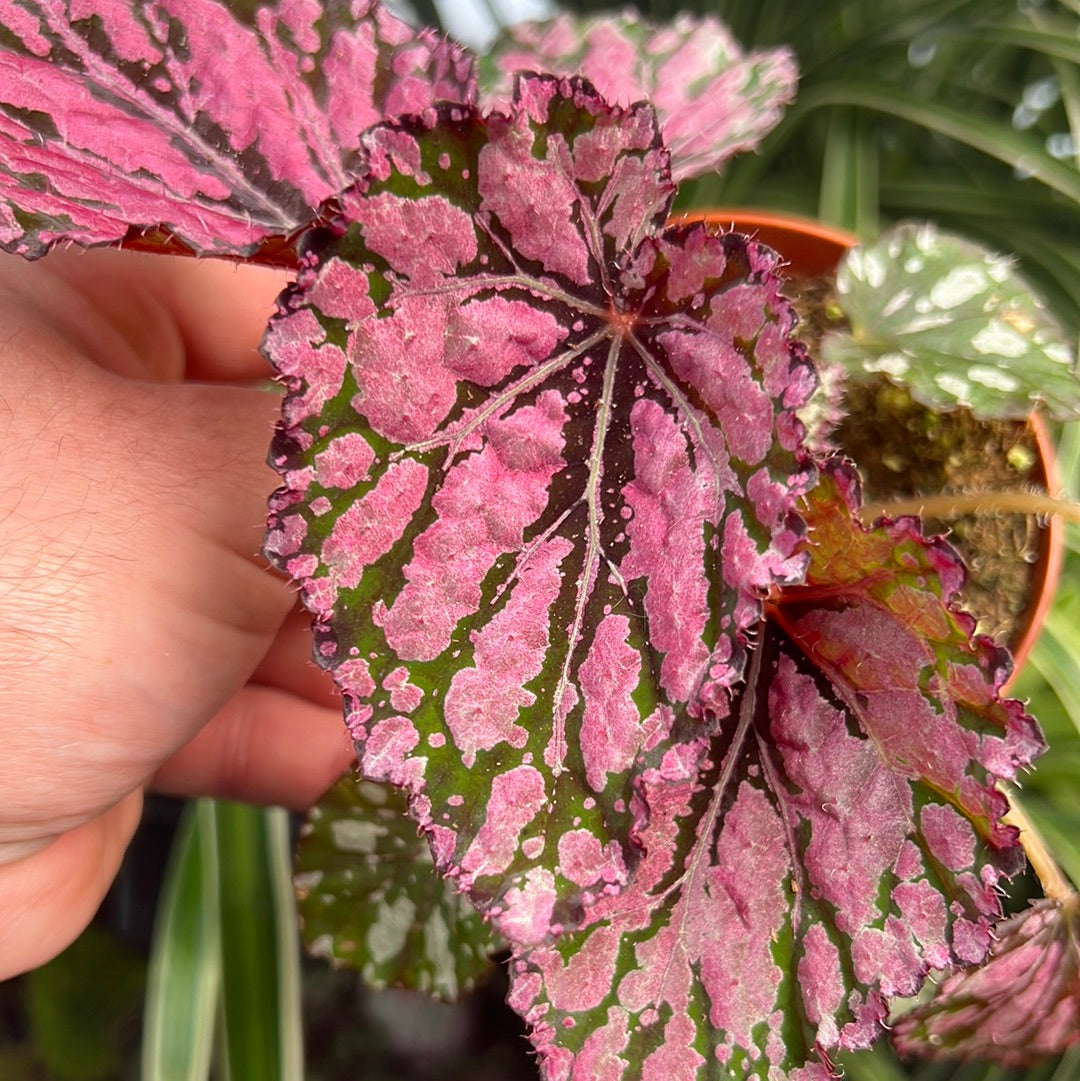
951,506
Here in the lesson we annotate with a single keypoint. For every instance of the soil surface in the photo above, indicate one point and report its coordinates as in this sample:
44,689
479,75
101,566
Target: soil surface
904,450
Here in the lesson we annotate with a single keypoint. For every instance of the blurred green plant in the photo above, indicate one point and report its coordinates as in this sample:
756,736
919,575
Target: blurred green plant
226,950
82,1010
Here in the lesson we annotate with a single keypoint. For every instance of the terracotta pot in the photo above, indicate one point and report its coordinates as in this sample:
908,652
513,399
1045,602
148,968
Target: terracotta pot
811,249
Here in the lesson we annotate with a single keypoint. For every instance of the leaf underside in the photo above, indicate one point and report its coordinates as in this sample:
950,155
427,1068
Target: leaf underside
540,464
121,119
1021,1004
955,324
712,100
369,898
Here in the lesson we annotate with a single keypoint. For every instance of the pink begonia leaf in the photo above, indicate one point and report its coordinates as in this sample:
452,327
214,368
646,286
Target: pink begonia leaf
1021,1004
839,838
540,464
204,129
712,100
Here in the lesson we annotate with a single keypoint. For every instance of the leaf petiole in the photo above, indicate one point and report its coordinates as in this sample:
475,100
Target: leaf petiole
953,505
1055,884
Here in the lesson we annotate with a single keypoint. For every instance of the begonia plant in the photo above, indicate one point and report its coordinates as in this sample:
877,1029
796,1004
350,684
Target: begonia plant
718,764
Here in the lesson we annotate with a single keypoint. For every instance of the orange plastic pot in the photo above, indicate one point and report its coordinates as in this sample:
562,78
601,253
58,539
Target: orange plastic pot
812,248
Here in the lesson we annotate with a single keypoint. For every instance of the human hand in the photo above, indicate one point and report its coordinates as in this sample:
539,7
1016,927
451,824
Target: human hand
142,641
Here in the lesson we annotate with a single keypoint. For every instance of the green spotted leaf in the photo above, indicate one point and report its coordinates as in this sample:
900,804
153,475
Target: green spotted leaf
955,324
369,898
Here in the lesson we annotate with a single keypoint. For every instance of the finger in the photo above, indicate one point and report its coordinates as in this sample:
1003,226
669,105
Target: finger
266,746
168,318
288,664
48,899
222,309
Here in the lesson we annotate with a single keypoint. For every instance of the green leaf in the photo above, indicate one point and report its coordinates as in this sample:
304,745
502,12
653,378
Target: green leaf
369,896
849,183
954,323
259,944
185,962
1019,149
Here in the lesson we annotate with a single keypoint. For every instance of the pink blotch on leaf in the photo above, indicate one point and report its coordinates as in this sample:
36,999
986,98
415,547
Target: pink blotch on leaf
600,1056
126,35
527,908
338,290
487,339
371,525
676,1056
859,814
712,364
670,506
949,836
922,909
404,696
517,797
532,201
585,861
344,462
821,983
585,980
484,700
423,239
404,391
483,507
386,753
354,677
611,726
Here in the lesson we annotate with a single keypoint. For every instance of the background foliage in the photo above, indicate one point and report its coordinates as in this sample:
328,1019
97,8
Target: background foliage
965,112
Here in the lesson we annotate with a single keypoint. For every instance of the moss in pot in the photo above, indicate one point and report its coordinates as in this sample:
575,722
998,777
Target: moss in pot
938,364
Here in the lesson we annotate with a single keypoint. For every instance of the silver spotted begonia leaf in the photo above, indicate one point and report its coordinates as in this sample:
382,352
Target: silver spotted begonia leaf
955,324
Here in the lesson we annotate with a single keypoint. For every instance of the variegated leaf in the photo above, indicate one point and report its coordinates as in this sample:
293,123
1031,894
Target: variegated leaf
955,324
369,897
212,130
540,463
712,99
840,837
1020,1005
